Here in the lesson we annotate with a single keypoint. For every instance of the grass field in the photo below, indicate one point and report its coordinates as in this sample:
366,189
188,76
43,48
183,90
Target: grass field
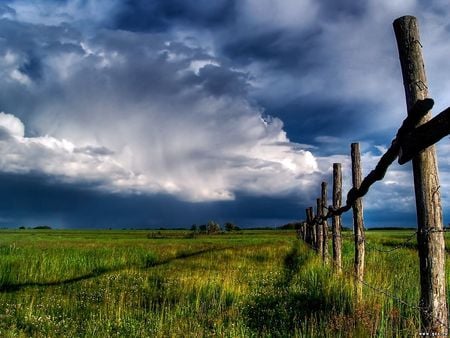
61,283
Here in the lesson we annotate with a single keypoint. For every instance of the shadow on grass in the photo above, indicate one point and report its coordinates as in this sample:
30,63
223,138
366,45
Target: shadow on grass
293,262
149,262
300,295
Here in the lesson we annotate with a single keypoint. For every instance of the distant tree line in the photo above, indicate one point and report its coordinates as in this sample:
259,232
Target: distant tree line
213,227
290,226
39,227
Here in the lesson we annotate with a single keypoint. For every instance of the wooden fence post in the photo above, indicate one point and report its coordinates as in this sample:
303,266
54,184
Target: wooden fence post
336,221
308,234
319,227
303,230
324,209
312,227
358,221
431,245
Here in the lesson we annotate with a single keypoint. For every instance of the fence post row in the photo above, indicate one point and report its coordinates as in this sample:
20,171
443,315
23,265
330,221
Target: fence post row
414,140
430,236
336,220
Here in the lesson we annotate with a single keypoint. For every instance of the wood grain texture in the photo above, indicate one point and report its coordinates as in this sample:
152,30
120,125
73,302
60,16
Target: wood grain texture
430,237
358,221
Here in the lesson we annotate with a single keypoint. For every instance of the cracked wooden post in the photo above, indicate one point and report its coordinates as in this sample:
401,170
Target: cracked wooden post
319,227
324,210
431,245
358,222
336,220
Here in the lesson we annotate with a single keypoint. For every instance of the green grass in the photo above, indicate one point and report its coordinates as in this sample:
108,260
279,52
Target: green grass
60,283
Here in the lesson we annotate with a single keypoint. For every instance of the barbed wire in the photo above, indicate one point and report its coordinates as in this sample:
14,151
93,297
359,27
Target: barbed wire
350,236
393,296
415,114
398,247
388,293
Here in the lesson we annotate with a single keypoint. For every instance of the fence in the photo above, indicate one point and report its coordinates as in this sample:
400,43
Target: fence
414,141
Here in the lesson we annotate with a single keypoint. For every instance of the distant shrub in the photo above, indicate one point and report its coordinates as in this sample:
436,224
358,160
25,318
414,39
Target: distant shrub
212,227
43,227
231,227
156,235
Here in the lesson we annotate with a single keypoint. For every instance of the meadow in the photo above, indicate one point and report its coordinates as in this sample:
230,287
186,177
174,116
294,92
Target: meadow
111,283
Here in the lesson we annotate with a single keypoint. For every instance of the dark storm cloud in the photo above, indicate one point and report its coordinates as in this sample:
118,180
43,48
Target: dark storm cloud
280,49
276,45
173,116
220,81
37,199
25,48
318,117
32,67
344,8
6,11
317,47
168,97
153,15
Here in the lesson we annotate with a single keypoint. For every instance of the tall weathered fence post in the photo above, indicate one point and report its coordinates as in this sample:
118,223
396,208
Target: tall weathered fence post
319,227
324,209
431,245
358,221
336,221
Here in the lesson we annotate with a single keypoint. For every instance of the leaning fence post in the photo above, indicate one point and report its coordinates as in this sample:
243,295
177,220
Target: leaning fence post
336,221
431,245
358,221
324,209
319,227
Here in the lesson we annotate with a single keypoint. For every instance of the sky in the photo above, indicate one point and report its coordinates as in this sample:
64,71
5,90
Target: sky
146,113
